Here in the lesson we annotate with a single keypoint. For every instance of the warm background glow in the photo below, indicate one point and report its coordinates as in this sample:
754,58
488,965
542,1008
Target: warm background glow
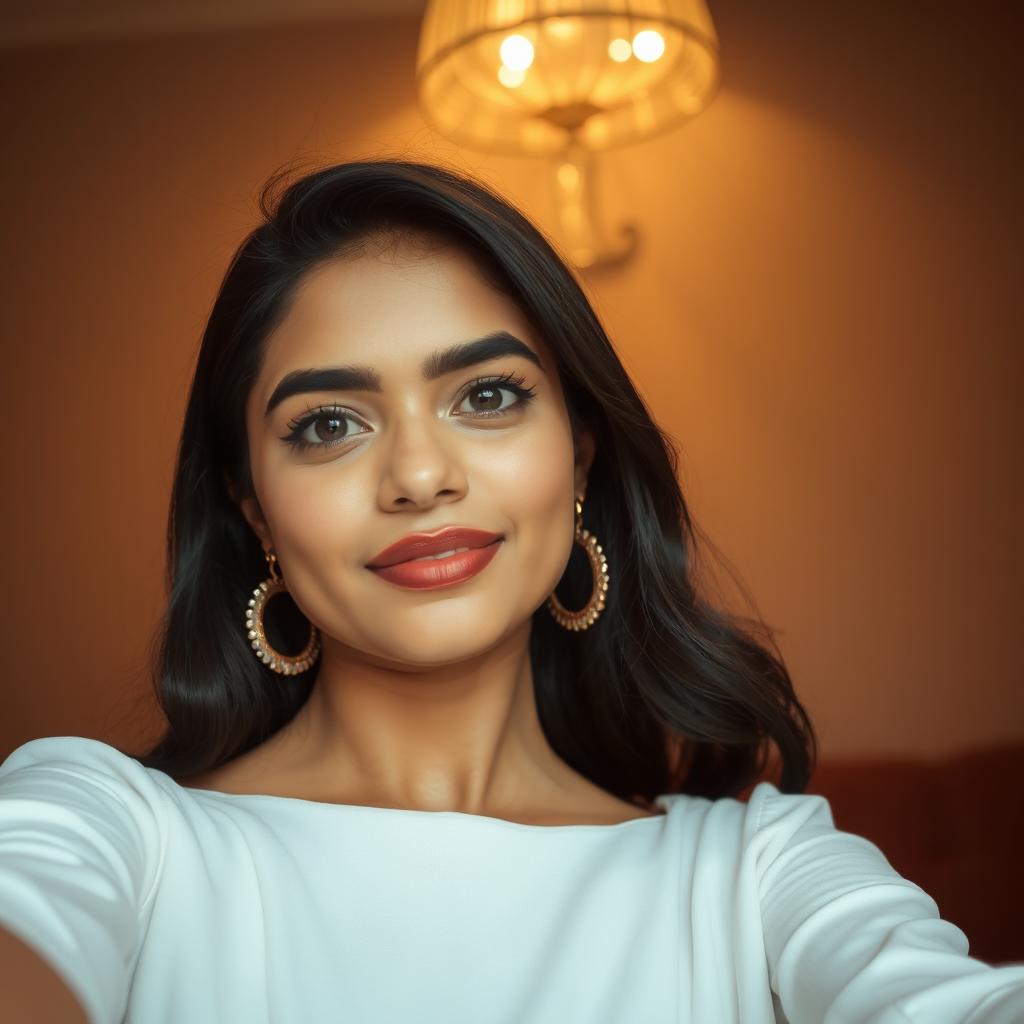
824,312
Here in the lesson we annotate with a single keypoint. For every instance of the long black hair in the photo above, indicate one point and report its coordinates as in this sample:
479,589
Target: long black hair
664,693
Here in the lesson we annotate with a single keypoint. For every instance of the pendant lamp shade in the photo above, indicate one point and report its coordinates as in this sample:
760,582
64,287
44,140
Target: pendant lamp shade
532,76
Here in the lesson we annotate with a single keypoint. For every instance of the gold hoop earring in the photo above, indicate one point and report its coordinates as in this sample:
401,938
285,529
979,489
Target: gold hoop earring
285,664
588,614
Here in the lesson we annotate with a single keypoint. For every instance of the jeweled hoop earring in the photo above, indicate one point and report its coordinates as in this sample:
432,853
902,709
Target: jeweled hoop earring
287,665
587,615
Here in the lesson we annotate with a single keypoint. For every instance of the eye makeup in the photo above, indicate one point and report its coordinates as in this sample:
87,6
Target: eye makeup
511,382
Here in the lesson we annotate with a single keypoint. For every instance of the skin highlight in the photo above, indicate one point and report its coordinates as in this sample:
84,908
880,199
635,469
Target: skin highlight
423,699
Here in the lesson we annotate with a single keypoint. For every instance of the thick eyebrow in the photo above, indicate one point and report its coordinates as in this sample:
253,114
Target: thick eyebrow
437,364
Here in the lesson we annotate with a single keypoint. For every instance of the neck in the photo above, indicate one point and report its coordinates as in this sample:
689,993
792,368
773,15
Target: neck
463,737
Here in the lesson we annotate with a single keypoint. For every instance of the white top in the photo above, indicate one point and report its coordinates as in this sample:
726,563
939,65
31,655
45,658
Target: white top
159,903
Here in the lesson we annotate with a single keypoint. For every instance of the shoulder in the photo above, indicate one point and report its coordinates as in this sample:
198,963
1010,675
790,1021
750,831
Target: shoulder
72,788
760,826
769,809
64,750
82,771
70,753
804,863
774,836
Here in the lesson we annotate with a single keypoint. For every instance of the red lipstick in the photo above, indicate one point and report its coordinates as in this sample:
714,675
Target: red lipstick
407,563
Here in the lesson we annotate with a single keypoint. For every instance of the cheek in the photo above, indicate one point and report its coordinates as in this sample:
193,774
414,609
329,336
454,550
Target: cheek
534,482
316,510
533,489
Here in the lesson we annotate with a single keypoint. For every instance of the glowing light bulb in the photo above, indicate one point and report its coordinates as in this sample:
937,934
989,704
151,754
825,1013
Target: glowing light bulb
648,45
619,50
516,53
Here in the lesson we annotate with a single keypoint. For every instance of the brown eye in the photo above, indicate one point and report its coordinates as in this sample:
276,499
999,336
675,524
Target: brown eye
321,428
485,397
490,398
330,427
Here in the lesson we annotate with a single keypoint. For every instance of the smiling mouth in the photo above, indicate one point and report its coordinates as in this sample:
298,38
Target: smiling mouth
434,558
447,543
444,569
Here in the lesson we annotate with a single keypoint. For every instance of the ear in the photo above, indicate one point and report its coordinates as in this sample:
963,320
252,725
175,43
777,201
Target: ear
585,449
250,508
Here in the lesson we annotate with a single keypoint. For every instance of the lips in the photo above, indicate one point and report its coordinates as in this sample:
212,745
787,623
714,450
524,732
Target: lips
418,545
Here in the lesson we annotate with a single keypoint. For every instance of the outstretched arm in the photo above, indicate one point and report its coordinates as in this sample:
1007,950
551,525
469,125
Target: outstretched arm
80,847
851,941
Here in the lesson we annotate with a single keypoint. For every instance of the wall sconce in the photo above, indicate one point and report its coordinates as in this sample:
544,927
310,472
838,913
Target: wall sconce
563,80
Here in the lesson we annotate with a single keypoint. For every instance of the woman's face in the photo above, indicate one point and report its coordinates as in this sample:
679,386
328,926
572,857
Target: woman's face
364,468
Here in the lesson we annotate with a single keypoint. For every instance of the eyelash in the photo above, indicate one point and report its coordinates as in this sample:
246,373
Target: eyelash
509,381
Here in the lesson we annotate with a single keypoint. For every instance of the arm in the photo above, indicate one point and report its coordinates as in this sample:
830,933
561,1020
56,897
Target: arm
81,836
851,941
32,990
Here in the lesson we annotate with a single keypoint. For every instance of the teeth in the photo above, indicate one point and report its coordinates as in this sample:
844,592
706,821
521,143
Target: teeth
443,554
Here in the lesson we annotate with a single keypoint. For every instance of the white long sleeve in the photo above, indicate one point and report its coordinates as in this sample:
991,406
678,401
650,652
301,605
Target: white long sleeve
851,941
79,853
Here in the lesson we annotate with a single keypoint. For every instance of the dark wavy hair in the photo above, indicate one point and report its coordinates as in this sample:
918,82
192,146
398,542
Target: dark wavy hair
665,693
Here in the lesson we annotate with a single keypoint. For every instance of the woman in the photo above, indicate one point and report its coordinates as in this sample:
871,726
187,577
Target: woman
482,762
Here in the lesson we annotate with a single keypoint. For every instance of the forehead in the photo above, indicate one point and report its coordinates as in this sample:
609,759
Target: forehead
387,310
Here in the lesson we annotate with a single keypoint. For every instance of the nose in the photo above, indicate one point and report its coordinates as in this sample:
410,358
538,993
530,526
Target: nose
422,466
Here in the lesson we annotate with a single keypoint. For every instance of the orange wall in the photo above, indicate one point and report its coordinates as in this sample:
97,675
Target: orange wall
821,313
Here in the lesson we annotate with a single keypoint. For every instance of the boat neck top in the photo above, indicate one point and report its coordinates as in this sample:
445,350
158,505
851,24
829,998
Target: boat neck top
159,903
663,801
